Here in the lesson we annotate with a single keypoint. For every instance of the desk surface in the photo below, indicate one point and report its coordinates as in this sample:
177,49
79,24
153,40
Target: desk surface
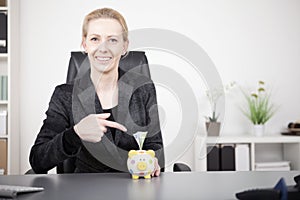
180,185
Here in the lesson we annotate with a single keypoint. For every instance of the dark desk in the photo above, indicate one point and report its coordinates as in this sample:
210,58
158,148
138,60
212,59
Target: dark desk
180,185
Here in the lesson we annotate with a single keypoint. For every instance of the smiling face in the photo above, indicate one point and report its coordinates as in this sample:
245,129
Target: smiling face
104,44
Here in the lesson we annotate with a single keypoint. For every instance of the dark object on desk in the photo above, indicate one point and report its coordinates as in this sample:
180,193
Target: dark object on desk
259,194
280,192
297,180
11,191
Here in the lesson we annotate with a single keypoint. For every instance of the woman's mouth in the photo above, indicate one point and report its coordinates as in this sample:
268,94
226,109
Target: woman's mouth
103,59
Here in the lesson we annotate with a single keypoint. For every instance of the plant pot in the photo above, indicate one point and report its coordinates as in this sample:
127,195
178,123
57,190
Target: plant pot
259,129
213,128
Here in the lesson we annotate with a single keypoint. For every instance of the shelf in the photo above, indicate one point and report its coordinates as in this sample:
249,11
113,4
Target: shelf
3,55
3,102
3,8
269,148
9,66
252,139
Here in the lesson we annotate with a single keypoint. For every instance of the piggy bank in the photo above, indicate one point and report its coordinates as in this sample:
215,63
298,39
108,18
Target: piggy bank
141,163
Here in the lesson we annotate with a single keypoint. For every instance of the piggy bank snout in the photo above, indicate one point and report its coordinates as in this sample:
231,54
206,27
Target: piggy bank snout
142,166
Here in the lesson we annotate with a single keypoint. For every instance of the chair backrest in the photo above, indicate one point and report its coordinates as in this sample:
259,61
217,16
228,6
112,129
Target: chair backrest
133,60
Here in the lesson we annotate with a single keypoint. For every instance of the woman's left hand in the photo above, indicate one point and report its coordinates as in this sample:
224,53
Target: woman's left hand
156,171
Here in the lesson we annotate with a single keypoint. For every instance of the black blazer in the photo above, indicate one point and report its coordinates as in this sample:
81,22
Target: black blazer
137,111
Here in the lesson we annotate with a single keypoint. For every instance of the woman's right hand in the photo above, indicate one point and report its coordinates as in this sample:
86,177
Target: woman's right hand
92,127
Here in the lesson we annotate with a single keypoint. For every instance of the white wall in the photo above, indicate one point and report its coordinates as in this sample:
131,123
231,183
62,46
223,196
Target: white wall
247,40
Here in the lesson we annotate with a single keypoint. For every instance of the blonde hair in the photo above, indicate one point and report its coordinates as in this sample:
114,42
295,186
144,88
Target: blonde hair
107,13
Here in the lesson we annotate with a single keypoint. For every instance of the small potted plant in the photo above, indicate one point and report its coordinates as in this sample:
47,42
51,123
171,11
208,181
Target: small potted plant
213,95
259,108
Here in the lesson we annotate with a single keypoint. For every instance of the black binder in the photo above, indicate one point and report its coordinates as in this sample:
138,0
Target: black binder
213,158
3,32
227,158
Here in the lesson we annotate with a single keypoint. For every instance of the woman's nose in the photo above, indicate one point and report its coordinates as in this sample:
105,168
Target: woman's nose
103,47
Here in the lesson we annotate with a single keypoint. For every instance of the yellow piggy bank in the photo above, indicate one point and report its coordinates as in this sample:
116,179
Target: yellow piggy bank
141,163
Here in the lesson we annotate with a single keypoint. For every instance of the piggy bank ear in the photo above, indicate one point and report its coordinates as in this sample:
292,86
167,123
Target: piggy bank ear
151,153
132,153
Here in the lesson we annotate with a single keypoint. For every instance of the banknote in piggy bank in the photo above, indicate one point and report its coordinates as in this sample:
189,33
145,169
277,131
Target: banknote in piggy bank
141,163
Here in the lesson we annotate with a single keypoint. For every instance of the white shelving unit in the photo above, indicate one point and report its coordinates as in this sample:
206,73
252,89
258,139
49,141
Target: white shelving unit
9,65
262,149
3,8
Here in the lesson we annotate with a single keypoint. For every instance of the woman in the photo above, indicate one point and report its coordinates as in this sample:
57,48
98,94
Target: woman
94,119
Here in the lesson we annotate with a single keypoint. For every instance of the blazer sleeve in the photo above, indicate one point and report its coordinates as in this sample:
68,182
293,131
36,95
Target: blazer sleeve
154,138
57,139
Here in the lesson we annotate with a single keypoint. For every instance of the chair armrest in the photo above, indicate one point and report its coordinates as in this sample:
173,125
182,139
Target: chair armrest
30,171
181,167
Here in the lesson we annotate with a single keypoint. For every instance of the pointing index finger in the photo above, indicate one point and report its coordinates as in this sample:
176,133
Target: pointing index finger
115,125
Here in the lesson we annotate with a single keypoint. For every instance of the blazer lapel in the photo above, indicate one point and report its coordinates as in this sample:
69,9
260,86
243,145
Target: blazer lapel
83,98
123,115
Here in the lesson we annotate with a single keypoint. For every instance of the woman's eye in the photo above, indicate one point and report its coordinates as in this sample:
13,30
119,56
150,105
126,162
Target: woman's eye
94,39
113,40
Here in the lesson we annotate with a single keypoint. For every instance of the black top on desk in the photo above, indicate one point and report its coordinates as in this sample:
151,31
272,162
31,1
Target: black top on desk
182,185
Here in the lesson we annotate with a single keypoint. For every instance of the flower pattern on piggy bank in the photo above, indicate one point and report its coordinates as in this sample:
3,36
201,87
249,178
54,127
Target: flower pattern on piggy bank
141,163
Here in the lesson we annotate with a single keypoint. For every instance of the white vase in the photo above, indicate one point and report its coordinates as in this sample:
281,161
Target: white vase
259,129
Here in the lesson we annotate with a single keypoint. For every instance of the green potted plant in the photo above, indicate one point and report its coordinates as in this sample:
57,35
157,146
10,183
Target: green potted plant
213,95
259,108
